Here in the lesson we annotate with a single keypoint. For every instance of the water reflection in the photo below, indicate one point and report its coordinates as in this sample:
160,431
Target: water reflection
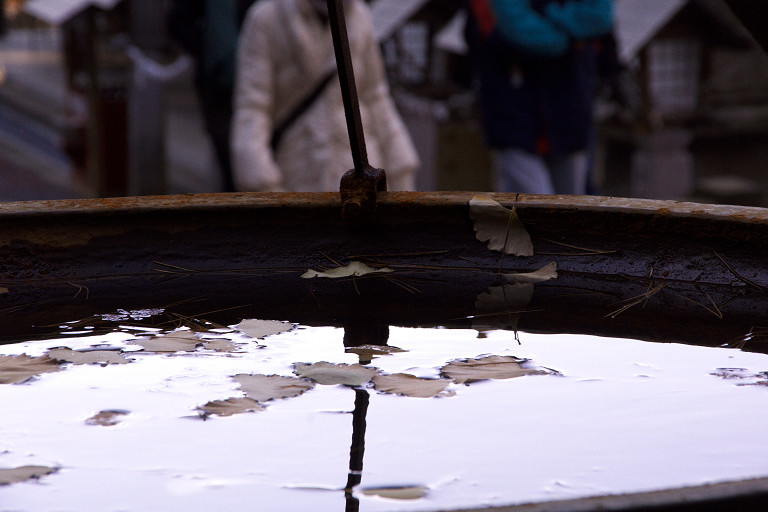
357,450
615,408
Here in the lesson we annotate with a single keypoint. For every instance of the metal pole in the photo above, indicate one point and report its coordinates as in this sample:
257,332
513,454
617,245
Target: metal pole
359,186
348,86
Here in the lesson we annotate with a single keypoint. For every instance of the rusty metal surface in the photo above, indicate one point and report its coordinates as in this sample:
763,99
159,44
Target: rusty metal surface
244,253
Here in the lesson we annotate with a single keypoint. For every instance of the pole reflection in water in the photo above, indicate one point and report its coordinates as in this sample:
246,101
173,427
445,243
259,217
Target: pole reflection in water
357,450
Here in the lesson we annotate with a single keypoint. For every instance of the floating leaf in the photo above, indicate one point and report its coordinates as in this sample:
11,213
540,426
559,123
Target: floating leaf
272,387
106,418
263,328
545,273
231,406
103,357
17,369
491,367
413,492
3,290
409,385
181,341
500,227
356,268
220,345
14,475
330,374
368,352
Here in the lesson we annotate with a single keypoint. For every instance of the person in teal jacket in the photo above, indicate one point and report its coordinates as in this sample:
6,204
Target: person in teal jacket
536,62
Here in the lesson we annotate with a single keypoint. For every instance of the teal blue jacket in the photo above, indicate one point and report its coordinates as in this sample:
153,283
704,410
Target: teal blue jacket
536,65
548,28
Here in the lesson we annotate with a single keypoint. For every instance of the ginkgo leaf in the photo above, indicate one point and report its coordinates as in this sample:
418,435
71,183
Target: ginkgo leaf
103,357
106,418
413,492
330,374
410,385
231,406
181,341
17,369
220,345
263,328
490,367
272,387
500,227
356,268
545,273
21,474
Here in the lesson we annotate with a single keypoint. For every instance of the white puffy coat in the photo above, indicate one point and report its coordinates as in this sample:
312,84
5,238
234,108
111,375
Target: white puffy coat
284,51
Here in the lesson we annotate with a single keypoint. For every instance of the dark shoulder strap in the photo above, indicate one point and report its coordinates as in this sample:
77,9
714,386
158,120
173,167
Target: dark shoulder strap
299,109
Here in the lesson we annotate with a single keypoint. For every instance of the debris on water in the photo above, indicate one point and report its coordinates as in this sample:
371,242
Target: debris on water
353,269
330,374
179,341
255,328
413,492
21,368
545,273
410,385
102,357
220,345
108,418
370,352
139,314
744,375
490,367
230,406
21,474
272,387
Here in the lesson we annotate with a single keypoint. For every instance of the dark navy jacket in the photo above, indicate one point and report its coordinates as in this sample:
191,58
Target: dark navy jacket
532,101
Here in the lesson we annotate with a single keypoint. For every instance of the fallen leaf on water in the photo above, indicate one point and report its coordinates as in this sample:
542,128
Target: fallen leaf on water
14,475
491,367
17,369
330,374
103,357
181,341
409,385
368,352
500,227
414,492
271,387
231,406
356,268
545,273
220,345
263,328
106,418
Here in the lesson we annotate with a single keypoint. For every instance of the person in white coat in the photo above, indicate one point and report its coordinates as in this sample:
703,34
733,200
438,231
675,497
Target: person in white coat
285,50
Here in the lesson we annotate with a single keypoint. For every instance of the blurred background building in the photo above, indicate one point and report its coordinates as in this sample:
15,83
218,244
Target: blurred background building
96,100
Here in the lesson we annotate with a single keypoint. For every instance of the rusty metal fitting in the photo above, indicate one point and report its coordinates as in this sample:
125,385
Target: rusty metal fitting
359,191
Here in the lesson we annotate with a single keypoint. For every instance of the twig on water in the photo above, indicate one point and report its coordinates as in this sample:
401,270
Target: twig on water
634,301
742,278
